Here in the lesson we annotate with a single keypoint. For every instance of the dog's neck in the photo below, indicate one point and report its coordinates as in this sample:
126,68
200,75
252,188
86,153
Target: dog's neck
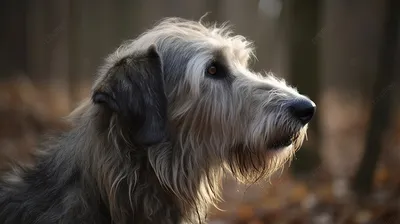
137,181
86,171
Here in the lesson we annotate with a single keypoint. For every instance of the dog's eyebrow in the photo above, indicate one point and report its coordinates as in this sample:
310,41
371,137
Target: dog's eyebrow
218,54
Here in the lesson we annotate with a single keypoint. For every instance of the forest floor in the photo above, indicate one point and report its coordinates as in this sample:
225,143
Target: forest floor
289,200
317,198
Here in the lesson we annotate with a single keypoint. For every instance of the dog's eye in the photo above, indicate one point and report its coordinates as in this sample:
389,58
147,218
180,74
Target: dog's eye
216,70
212,70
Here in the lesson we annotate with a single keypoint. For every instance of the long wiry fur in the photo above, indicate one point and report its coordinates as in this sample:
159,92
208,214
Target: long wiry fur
162,162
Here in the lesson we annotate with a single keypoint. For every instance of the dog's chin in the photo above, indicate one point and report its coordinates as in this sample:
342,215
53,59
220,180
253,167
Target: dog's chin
283,142
279,148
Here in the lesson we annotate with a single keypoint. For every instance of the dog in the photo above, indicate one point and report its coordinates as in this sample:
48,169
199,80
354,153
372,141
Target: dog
170,113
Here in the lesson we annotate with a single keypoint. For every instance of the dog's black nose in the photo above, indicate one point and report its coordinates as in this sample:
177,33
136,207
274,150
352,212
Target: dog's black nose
303,109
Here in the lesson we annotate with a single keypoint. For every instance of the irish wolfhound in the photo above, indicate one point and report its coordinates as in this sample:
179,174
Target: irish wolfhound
170,113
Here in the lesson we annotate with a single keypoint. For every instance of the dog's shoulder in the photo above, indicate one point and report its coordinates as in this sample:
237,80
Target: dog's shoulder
49,192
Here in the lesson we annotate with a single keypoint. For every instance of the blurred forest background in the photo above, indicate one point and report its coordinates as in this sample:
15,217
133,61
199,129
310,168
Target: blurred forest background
344,54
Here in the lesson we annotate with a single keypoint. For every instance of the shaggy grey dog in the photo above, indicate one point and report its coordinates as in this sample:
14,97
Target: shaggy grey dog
170,113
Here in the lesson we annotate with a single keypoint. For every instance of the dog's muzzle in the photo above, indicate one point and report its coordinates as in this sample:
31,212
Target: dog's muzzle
302,111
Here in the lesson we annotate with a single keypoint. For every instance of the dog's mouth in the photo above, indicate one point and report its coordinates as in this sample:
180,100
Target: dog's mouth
283,141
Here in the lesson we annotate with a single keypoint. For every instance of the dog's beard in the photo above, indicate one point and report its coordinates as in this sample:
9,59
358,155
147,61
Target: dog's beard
282,132
249,165
282,138
261,157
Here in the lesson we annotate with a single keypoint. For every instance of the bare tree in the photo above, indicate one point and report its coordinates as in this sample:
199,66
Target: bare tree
13,37
77,48
56,45
36,39
381,109
303,17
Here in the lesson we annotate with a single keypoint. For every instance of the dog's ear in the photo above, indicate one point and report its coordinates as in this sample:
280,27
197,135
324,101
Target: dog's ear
134,90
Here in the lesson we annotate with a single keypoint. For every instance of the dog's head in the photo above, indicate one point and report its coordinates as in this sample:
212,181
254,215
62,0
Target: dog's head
189,83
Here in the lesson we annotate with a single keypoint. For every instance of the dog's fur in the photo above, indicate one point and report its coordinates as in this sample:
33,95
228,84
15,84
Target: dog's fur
152,143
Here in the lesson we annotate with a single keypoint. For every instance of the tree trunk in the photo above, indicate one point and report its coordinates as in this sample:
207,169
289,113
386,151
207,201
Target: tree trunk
36,40
303,69
13,38
77,48
380,116
56,45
